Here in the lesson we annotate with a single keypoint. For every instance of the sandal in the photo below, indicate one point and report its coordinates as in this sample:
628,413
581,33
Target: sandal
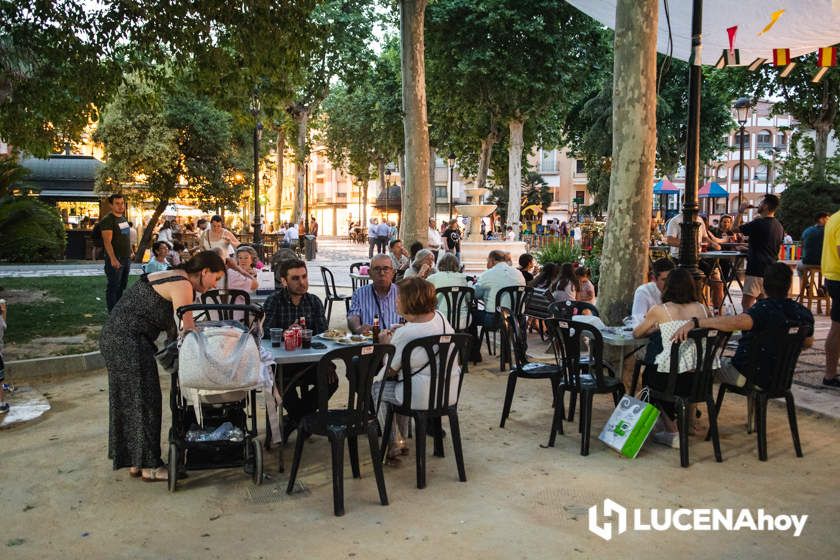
160,474
135,472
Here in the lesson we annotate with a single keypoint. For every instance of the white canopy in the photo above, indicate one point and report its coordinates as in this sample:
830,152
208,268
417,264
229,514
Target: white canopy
803,27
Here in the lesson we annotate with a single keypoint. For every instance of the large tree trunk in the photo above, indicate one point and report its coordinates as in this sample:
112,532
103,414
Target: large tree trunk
413,218
625,256
487,144
301,116
515,174
146,238
277,199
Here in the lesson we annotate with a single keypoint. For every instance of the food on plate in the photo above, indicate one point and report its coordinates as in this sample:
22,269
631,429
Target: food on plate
358,338
333,334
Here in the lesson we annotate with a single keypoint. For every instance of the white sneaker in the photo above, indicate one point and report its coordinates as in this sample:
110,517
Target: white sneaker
669,439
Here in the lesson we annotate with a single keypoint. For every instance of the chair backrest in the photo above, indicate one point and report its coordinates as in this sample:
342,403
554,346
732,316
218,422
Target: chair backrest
558,333
440,353
357,265
538,302
572,335
514,333
249,315
456,303
329,282
225,297
568,309
773,355
709,345
513,297
361,363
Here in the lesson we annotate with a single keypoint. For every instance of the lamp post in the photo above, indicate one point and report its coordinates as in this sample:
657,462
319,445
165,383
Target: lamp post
387,188
306,197
451,181
255,110
742,113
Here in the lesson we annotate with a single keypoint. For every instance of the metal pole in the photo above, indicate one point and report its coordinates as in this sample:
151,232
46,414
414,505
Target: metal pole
741,168
258,245
306,197
451,188
688,239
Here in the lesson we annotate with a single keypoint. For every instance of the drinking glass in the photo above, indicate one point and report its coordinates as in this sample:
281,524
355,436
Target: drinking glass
276,337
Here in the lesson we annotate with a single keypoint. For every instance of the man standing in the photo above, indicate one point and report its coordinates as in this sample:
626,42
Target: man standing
371,236
292,236
383,231
116,239
452,238
435,240
283,308
379,298
831,272
812,242
765,237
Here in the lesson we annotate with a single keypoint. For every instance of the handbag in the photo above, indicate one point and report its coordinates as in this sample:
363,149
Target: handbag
219,355
629,426
167,357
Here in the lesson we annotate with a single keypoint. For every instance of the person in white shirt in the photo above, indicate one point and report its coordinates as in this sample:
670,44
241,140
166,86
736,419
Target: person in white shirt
673,233
650,294
435,240
499,274
511,235
449,275
292,235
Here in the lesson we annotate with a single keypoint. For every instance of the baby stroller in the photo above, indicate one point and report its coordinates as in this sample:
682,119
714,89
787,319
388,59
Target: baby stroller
214,416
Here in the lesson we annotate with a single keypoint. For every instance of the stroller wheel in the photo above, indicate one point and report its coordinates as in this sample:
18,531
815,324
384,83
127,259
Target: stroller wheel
173,466
257,457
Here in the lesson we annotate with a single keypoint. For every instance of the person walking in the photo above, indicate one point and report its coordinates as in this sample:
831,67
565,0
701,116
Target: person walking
372,227
116,240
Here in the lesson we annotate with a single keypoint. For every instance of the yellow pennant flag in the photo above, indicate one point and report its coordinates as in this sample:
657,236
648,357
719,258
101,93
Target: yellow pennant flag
774,17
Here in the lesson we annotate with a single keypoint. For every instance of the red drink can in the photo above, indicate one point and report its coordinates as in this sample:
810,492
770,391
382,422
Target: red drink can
290,340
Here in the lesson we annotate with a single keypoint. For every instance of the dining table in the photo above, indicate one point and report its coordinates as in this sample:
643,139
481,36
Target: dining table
359,280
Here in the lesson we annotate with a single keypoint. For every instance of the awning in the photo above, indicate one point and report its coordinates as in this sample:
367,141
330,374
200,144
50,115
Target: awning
664,186
64,194
803,26
712,190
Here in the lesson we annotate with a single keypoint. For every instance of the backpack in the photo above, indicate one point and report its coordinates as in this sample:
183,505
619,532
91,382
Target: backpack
96,236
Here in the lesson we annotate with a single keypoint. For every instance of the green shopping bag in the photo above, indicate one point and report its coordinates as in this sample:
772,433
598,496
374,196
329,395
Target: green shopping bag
629,426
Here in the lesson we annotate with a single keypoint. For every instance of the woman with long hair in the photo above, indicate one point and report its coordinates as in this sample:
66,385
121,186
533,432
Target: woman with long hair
680,302
127,343
567,285
547,277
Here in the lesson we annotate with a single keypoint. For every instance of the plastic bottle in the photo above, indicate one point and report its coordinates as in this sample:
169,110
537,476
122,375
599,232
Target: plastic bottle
375,329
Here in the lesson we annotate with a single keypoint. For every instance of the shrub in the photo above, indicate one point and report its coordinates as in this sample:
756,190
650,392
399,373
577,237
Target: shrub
559,252
801,201
30,231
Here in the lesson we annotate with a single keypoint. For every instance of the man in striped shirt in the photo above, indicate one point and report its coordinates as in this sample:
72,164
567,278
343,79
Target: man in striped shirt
377,298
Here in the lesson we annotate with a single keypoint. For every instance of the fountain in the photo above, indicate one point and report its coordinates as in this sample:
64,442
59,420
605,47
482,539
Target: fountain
474,248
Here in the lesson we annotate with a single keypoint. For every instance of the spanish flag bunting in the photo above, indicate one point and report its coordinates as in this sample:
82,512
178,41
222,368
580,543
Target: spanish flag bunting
827,57
729,58
781,57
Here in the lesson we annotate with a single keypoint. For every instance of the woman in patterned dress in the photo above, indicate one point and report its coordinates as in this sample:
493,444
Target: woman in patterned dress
128,346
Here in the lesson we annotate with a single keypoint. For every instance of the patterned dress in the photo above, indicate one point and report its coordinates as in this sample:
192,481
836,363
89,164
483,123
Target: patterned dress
128,346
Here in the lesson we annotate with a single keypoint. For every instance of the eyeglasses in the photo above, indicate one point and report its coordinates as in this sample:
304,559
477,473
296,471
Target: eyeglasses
382,269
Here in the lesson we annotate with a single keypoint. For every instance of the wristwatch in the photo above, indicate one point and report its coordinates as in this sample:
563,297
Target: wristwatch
696,322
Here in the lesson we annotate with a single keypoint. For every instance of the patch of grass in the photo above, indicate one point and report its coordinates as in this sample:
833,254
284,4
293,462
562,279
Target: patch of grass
81,303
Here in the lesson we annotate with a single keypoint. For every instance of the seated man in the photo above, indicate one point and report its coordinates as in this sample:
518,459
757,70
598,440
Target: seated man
377,299
399,256
282,309
673,234
499,274
812,241
650,294
766,314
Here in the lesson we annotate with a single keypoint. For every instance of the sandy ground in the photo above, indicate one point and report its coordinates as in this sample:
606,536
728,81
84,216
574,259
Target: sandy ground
60,498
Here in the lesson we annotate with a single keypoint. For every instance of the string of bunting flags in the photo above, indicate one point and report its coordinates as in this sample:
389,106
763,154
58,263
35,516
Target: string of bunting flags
826,56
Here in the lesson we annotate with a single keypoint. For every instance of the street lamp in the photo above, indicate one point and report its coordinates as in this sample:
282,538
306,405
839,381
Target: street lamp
255,111
742,114
387,188
306,197
451,181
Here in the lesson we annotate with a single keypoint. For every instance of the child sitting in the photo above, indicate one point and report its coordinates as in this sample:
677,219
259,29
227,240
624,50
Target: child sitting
586,292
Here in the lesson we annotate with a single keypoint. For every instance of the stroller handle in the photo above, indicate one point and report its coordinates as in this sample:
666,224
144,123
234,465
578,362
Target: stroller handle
257,311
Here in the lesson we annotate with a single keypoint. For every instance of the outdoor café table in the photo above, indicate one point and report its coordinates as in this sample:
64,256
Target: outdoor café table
298,356
736,257
359,280
621,338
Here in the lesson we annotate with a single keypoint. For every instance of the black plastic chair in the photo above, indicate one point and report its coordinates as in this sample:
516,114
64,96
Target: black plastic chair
772,356
537,307
362,363
709,344
568,309
513,298
458,303
587,385
225,297
357,282
331,293
440,354
522,368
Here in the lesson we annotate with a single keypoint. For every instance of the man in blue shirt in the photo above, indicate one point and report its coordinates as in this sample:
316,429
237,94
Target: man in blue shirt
377,298
812,240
